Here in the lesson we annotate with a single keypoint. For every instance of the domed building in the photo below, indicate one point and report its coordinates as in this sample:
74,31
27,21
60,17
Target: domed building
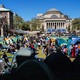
54,19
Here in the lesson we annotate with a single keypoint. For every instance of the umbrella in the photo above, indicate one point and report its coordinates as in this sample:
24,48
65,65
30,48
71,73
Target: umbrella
25,52
22,55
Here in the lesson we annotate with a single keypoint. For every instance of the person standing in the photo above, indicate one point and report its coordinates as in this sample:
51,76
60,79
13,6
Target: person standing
73,51
5,57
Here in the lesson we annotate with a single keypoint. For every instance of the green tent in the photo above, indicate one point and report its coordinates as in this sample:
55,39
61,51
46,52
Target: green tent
14,39
1,40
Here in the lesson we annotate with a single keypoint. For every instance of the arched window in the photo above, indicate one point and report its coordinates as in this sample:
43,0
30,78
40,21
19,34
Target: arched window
54,17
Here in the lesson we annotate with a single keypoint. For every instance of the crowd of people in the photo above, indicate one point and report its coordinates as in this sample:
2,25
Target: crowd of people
44,43
47,46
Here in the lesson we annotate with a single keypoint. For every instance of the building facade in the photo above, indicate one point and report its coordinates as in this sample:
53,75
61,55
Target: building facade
6,19
54,19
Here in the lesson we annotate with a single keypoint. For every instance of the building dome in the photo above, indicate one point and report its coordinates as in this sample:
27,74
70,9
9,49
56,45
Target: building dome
53,11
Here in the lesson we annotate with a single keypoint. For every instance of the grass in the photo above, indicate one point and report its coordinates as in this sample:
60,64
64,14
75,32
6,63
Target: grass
8,54
40,55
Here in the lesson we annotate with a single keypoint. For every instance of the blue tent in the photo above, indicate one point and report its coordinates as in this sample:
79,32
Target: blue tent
53,29
74,40
49,30
61,42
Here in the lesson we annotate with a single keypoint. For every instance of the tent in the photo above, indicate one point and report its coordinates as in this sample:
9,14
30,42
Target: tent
19,31
47,38
49,30
75,39
24,52
61,41
1,40
22,55
14,39
65,38
53,36
8,40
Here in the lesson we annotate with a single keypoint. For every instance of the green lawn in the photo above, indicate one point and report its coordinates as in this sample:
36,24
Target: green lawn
8,54
40,55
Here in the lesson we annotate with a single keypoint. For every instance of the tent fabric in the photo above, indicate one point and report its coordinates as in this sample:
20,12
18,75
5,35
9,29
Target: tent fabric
14,39
65,38
49,30
1,40
74,40
21,31
63,44
22,55
33,70
8,40
61,41
25,52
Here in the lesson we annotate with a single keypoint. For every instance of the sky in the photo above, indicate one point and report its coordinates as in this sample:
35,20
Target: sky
29,9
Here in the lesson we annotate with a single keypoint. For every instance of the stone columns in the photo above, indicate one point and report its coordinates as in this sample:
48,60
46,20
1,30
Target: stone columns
45,27
2,32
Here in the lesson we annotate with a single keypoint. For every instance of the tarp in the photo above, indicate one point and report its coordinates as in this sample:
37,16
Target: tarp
65,38
21,31
74,40
61,42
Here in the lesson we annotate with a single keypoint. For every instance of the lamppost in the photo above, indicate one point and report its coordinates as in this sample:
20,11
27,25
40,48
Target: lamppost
1,23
